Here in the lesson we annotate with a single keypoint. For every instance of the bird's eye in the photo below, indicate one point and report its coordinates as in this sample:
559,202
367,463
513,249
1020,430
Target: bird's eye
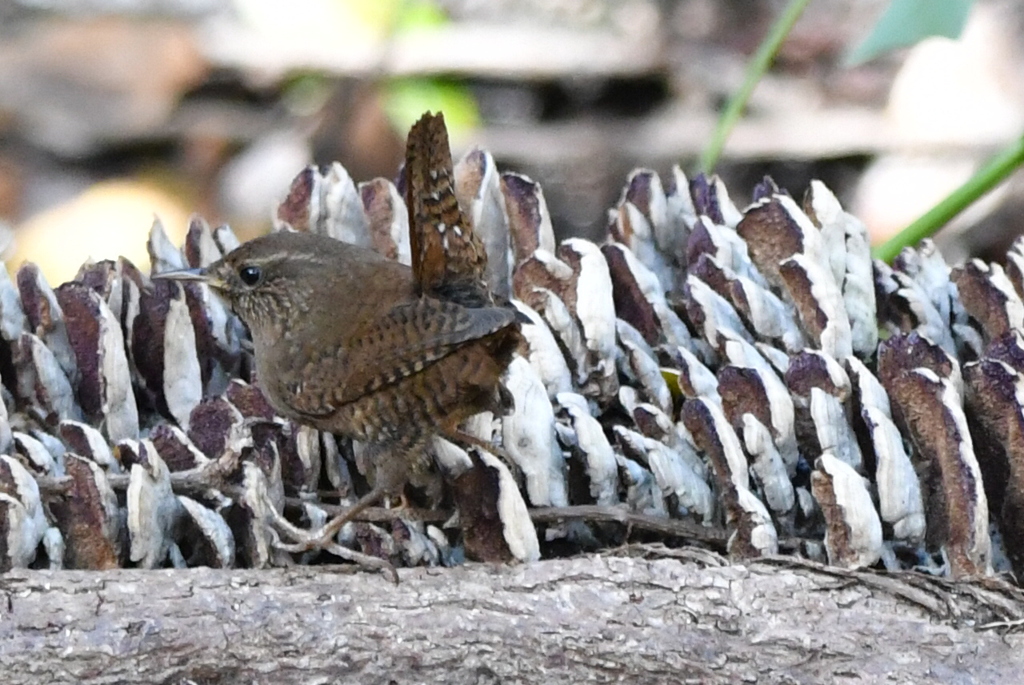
250,275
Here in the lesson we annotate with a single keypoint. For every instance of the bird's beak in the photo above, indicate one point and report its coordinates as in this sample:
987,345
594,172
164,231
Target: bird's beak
200,275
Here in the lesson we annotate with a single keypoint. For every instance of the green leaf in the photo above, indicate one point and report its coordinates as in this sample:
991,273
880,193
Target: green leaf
907,22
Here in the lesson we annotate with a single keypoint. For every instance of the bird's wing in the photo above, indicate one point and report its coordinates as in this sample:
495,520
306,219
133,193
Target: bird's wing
399,343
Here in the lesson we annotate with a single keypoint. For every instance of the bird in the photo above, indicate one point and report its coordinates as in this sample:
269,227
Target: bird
350,342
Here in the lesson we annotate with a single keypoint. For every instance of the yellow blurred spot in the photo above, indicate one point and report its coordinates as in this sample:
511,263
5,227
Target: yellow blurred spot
108,220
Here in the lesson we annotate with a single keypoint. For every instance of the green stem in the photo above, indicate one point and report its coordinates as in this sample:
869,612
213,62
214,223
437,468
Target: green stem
755,70
1001,166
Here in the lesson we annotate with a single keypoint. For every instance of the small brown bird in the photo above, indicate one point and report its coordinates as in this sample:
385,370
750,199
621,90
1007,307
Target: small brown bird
344,343
352,343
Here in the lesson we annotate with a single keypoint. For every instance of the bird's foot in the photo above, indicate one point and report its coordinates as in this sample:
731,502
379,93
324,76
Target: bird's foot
318,539
323,538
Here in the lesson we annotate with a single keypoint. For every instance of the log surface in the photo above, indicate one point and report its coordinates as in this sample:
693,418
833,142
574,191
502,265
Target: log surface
596,618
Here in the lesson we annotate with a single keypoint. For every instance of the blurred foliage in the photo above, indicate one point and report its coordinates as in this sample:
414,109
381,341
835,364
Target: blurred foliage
406,99
904,23
907,22
988,177
756,68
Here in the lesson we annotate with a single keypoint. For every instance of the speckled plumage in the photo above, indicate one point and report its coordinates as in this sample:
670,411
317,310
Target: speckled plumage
349,342
448,257
343,342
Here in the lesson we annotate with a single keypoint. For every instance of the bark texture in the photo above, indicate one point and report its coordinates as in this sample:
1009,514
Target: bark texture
593,619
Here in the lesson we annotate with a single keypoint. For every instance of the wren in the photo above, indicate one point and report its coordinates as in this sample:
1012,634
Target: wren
343,343
350,342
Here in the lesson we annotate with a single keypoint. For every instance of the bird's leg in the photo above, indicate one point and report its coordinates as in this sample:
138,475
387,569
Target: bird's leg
391,461
399,462
283,526
323,537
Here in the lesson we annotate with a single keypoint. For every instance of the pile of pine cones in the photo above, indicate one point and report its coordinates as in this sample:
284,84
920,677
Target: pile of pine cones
750,375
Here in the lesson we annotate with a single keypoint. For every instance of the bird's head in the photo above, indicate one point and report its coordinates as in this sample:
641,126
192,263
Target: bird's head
271,280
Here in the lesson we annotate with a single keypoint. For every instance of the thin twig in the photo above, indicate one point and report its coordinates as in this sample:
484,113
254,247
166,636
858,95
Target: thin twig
375,514
594,513
1007,626
209,477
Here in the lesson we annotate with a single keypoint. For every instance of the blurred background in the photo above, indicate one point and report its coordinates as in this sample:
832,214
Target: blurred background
113,111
